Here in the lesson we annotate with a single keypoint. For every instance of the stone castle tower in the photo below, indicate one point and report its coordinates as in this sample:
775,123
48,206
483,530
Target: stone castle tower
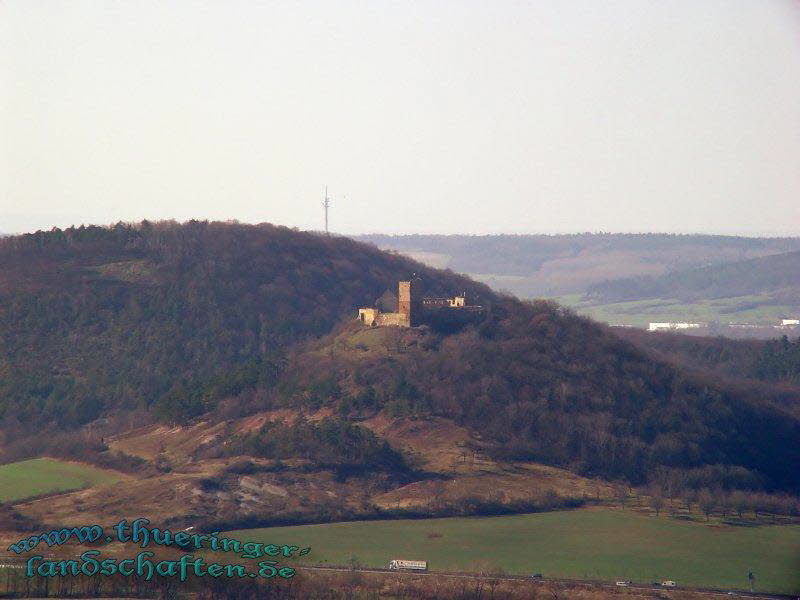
405,299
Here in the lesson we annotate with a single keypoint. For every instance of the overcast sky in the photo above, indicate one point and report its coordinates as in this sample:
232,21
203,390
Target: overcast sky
439,116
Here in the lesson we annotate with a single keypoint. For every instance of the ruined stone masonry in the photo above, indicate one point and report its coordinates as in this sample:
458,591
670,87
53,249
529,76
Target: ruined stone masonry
411,311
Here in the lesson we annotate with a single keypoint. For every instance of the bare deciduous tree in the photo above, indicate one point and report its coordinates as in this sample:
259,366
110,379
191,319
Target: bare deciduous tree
723,501
657,502
621,494
707,502
739,502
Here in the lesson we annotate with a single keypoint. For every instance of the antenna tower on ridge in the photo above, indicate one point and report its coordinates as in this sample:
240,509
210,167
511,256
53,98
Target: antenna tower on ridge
326,204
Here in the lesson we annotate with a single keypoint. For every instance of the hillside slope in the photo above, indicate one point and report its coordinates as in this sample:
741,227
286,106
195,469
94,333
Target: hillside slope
777,275
93,318
225,320
539,384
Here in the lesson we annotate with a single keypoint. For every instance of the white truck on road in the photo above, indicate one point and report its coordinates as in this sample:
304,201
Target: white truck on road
408,565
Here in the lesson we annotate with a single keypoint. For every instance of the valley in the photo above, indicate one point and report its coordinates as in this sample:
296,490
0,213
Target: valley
566,545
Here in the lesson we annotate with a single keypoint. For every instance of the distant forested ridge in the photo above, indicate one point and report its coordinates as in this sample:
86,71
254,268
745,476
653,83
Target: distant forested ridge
536,265
778,275
776,360
178,321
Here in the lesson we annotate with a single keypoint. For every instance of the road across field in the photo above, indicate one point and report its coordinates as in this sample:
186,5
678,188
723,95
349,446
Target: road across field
598,544
14,563
575,582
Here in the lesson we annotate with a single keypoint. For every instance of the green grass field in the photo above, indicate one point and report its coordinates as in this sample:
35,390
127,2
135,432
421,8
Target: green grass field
742,309
592,544
45,475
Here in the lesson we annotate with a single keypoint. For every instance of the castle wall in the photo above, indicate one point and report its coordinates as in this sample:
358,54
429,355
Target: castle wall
412,311
368,316
435,302
397,319
458,302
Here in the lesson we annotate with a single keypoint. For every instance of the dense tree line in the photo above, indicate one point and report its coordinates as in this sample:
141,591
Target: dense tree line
73,445
715,501
775,361
776,273
779,361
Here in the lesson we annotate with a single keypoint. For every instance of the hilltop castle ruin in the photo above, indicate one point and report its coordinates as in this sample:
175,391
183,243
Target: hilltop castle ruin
412,310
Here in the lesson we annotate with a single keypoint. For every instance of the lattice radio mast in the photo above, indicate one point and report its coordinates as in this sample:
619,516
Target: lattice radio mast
326,204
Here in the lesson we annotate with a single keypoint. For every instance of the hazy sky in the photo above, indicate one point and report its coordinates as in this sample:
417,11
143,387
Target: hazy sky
438,116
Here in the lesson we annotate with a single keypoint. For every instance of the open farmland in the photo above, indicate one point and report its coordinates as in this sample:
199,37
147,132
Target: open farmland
592,544
38,476
759,310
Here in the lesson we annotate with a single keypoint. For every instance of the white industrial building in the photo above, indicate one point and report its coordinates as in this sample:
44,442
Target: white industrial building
672,326
790,322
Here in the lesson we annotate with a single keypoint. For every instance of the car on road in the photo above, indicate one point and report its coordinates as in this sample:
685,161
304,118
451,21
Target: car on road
668,583
536,576
623,583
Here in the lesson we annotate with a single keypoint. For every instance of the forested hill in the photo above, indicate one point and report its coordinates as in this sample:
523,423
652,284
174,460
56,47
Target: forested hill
776,361
182,320
777,275
93,318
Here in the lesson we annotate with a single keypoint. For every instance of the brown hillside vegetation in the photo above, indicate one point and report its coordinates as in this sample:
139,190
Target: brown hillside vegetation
530,385
294,490
222,366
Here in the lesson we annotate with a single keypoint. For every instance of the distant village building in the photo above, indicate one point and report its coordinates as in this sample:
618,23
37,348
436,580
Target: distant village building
672,326
411,310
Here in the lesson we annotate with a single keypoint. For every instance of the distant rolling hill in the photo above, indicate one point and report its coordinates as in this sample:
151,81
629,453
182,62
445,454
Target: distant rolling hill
744,299
777,275
554,265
